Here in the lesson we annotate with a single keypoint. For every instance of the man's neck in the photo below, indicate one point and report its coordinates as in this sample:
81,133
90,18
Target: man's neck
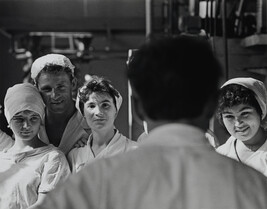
62,117
198,122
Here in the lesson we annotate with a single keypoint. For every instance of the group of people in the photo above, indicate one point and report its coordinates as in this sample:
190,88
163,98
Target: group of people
55,134
67,153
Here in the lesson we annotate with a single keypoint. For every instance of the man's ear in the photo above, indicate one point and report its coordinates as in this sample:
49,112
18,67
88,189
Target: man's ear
74,83
74,87
138,110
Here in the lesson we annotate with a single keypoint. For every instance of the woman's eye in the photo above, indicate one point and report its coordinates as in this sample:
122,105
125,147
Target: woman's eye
91,106
228,117
34,119
105,105
18,120
245,114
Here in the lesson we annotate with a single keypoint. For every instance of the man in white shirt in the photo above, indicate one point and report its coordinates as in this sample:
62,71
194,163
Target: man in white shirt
175,83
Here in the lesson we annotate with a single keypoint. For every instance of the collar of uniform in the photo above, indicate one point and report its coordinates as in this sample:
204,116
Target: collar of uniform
176,134
115,138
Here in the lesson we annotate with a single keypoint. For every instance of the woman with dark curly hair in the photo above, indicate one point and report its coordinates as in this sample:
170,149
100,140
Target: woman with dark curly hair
242,110
99,102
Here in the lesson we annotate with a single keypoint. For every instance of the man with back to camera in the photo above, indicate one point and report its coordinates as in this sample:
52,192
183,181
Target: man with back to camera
64,126
175,83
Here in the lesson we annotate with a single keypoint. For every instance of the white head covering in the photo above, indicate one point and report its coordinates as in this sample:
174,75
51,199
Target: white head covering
50,59
118,101
22,97
254,85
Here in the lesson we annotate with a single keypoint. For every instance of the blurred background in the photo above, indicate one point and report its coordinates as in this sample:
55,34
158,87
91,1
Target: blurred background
98,34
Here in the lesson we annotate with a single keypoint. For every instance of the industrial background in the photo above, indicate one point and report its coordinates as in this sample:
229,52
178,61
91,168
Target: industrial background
97,35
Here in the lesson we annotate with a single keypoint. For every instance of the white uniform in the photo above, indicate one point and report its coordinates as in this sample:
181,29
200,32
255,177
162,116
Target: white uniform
79,157
257,159
24,175
173,169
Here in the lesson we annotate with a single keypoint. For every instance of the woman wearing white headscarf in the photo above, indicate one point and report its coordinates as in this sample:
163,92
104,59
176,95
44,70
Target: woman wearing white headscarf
242,110
99,102
29,168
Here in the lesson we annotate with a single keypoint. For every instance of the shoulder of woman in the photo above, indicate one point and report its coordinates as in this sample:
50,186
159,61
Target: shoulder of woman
225,148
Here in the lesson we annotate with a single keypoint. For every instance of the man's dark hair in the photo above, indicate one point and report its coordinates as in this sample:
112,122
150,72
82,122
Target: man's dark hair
175,76
55,69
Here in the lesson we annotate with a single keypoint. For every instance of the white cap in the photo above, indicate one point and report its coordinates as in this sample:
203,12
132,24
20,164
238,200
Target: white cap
50,59
20,97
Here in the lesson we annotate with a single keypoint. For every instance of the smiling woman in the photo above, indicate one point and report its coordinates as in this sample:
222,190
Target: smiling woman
242,110
99,102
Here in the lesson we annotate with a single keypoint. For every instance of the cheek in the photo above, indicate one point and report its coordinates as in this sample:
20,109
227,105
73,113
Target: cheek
229,125
36,124
45,97
112,113
255,124
88,114
14,127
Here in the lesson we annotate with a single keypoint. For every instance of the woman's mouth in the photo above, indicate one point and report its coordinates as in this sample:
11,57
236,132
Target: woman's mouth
25,132
241,130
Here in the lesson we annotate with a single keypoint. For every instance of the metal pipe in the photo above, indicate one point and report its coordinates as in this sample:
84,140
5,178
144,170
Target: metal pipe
148,9
225,43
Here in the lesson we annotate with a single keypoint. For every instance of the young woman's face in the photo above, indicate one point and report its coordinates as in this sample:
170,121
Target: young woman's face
25,125
241,121
100,111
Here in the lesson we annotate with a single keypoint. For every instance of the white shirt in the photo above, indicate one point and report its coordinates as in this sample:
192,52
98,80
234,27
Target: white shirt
26,174
173,169
255,159
79,157
75,130
5,141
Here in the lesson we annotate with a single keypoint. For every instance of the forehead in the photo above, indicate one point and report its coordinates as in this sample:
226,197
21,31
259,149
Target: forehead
25,113
237,108
99,97
47,78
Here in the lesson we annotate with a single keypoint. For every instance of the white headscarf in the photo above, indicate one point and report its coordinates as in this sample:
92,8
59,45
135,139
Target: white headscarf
22,97
50,59
254,85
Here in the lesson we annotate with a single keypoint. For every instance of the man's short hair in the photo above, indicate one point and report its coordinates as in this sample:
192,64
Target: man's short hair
175,76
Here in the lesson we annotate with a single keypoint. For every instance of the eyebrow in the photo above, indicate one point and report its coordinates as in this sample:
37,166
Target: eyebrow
106,100
31,114
243,109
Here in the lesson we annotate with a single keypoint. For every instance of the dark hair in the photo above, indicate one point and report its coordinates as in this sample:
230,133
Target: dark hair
55,69
234,94
96,84
174,76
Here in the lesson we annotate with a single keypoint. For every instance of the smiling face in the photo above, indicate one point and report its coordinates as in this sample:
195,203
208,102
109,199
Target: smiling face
25,125
100,111
242,121
56,91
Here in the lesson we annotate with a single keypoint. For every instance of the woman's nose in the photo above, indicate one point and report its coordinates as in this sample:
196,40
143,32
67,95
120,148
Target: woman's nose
98,110
25,124
238,121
